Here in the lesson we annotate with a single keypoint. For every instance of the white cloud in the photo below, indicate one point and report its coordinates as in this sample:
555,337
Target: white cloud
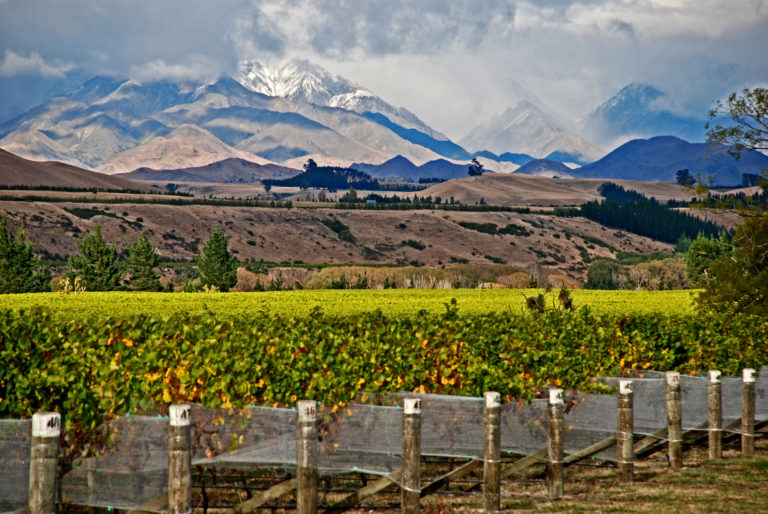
32,64
191,68
452,62
646,18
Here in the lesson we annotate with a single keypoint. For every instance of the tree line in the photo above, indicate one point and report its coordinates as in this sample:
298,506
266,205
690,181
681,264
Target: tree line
648,218
99,266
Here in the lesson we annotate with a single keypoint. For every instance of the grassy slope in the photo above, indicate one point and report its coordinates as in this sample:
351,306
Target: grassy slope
299,303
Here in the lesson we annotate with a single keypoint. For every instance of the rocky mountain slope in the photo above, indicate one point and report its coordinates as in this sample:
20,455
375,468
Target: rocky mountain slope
303,81
98,124
638,111
527,128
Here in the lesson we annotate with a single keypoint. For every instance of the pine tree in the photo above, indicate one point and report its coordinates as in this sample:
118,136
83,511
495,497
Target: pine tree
20,272
97,266
218,267
142,261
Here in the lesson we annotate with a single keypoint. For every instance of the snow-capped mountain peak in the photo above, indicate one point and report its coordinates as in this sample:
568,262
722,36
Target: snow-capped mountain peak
295,79
633,96
528,128
304,81
638,110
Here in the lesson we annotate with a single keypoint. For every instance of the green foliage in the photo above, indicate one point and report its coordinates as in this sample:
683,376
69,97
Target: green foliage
328,177
360,282
415,244
617,193
748,124
567,212
485,228
142,261
703,252
87,214
97,367
740,284
684,177
683,245
562,302
515,230
20,271
218,267
395,303
494,259
475,168
340,228
97,265
604,274
648,218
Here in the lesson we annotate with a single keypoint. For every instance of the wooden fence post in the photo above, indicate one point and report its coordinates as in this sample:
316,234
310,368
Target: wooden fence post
179,460
90,477
674,420
555,443
715,404
411,465
625,432
306,457
748,412
492,452
43,465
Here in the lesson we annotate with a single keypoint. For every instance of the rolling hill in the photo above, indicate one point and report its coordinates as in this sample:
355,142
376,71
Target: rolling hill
16,171
227,171
659,159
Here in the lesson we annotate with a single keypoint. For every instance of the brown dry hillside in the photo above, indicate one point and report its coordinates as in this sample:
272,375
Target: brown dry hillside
521,190
432,238
16,171
225,171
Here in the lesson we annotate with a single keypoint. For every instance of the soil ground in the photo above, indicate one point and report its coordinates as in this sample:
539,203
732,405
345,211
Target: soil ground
734,484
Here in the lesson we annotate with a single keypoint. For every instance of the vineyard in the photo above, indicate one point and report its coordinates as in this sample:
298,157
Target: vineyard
96,366
96,357
471,302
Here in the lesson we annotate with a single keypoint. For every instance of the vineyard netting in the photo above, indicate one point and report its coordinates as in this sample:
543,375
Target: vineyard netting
132,467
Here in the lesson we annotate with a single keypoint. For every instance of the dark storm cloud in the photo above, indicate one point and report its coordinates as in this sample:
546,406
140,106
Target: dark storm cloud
114,36
571,54
377,28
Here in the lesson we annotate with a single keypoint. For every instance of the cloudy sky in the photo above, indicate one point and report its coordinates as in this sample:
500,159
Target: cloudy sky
452,62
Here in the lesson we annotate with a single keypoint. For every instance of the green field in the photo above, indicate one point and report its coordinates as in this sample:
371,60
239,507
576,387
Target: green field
392,302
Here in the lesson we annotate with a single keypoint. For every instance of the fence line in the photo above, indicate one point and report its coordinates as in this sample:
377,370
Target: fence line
148,463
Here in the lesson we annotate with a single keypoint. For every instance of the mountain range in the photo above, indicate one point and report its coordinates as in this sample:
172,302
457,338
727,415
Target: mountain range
284,113
638,111
546,168
302,81
659,159
528,128
119,125
400,168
